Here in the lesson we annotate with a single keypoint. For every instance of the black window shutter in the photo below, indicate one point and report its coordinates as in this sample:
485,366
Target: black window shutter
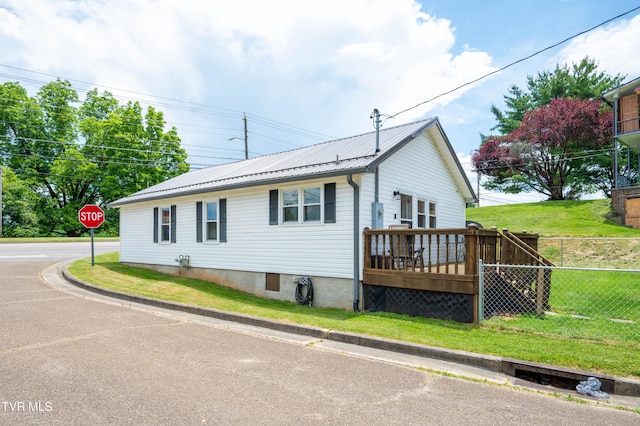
330,203
223,220
273,207
173,224
199,222
155,224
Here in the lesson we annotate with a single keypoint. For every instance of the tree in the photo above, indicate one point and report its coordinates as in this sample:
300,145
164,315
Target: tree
551,152
70,155
504,154
19,206
580,81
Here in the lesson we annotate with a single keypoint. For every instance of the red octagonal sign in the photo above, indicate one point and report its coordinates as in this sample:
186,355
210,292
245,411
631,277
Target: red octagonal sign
91,216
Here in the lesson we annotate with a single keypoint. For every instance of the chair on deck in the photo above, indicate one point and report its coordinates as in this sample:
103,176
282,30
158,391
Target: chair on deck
402,251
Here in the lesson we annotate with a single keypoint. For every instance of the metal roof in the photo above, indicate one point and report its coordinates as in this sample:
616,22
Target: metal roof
355,154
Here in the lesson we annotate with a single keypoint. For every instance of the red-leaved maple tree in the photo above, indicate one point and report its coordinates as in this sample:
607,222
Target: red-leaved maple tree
556,151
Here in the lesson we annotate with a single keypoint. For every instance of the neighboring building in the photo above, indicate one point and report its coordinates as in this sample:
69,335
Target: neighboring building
259,224
625,194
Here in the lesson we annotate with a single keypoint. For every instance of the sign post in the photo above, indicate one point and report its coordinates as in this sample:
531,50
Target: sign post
91,216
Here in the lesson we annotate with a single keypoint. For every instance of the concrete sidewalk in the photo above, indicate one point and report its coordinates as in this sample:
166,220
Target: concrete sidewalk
623,392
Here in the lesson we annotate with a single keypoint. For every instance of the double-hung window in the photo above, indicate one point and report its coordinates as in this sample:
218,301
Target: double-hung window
311,205
212,221
164,224
290,205
432,214
422,214
426,214
303,205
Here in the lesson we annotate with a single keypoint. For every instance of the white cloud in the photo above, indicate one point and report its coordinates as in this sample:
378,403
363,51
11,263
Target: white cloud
614,46
296,62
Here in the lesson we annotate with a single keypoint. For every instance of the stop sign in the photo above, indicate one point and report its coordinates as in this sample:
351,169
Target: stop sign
91,216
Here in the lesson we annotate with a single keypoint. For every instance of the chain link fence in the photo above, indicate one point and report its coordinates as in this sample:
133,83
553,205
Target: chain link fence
590,303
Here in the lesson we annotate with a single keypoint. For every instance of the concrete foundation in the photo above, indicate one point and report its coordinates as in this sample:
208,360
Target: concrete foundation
328,292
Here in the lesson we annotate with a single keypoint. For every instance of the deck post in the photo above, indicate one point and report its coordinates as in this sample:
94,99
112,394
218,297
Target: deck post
471,248
540,290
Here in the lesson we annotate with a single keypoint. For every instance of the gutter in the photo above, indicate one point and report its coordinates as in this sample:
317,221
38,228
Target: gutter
356,243
199,188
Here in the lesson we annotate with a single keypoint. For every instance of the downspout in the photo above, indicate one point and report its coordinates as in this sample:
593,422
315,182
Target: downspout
356,243
377,186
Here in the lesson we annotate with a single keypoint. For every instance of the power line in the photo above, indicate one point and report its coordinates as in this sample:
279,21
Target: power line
178,104
515,62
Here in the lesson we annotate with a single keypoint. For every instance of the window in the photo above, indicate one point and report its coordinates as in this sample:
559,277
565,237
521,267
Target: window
432,215
406,209
311,204
212,221
426,218
422,214
290,206
214,225
303,205
165,225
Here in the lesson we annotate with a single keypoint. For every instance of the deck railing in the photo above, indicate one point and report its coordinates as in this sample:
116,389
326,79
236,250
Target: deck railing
444,260
423,250
447,251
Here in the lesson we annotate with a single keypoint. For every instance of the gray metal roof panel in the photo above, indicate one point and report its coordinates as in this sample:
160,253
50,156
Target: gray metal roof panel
341,156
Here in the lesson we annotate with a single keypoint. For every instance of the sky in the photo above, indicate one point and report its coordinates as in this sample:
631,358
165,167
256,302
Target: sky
303,72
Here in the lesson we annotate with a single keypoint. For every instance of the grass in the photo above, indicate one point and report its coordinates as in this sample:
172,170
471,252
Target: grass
618,359
554,219
601,243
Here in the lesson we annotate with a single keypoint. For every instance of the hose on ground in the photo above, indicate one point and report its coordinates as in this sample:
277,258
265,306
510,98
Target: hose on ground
307,297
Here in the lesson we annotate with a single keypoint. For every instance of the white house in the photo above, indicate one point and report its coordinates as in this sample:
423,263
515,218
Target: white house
259,224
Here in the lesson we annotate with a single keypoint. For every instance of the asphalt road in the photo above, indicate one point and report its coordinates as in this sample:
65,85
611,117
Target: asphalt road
48,252
70,357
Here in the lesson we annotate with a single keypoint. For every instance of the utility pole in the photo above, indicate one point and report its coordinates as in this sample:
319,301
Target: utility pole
376,123
246,138
479,177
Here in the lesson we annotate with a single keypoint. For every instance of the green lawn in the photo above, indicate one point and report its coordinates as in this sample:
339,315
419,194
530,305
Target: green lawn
614,358
603,346
554,219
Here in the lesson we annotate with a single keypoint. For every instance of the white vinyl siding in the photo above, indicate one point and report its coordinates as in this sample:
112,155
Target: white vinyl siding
429,179
312,249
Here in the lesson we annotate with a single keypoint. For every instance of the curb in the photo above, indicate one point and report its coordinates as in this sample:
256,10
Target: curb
508,366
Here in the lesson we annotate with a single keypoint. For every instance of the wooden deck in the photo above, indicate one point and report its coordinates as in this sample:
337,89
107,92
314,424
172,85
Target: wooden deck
442,260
